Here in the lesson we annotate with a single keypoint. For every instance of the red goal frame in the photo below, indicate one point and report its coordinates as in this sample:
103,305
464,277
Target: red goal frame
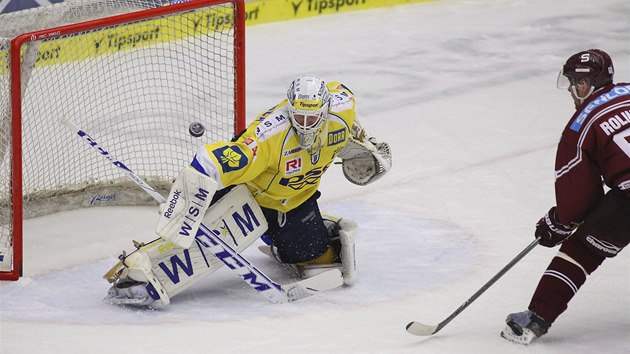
16,95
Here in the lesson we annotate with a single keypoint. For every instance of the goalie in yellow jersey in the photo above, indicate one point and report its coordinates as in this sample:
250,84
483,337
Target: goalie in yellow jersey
281,157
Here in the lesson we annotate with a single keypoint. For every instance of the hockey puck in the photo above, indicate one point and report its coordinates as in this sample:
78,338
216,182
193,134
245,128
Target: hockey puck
196,129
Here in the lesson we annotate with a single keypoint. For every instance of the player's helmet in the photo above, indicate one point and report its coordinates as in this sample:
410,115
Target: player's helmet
308,103
594,65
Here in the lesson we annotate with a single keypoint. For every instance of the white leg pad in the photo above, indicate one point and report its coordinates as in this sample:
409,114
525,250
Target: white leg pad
236,219
347,235
136,268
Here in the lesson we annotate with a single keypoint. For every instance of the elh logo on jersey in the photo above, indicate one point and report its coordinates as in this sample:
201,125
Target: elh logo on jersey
315,150
315,156
293,166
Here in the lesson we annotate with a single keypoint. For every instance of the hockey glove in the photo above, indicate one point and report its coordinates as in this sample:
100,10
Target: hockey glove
550,231
365,159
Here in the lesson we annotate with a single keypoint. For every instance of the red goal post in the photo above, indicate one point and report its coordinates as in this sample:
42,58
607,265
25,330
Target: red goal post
134,74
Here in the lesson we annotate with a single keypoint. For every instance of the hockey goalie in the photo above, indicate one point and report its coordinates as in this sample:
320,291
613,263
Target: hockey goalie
263,183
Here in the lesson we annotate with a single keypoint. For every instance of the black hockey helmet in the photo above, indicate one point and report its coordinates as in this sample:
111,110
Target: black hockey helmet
594,65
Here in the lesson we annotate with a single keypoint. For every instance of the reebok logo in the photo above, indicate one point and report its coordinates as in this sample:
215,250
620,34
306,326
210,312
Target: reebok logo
171,204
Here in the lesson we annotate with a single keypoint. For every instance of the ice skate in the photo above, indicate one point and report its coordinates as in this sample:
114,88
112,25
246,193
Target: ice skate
524,327
129,293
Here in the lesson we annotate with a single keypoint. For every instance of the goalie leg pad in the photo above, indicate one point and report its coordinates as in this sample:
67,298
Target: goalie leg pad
134,283
343,233
167,269
347,235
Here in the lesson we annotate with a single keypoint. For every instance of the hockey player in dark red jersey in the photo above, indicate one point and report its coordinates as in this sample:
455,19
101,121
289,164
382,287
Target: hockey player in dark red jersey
591,218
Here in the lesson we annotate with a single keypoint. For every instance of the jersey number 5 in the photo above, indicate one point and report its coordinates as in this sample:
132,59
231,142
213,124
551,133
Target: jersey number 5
621,140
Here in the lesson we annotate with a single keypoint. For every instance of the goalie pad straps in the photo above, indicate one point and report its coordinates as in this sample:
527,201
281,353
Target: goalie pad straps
137,267
185,207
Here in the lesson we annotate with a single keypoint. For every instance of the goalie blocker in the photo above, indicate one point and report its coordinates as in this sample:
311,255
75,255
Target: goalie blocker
187,202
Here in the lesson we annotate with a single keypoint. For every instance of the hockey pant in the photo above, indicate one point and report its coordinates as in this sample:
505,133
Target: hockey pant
604,233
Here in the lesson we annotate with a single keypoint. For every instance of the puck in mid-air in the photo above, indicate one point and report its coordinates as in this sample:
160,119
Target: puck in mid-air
196,129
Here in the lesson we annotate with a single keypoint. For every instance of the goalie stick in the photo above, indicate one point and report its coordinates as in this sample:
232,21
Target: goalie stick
273,291
88,139
420,329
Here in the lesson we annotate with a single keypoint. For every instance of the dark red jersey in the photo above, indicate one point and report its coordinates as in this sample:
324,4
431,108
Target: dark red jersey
595,145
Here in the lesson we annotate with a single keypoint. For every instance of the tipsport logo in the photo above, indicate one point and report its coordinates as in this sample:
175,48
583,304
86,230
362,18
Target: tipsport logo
320,6
123,41
308,105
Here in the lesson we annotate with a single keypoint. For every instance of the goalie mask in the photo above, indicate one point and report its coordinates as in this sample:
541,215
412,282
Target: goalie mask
308,103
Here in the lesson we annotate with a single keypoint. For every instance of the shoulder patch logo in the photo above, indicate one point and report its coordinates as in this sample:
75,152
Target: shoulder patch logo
231,158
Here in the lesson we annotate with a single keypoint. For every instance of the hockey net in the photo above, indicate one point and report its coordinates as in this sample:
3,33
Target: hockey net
133,74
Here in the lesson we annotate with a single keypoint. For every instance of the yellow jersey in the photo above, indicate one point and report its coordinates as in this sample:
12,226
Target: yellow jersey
268,158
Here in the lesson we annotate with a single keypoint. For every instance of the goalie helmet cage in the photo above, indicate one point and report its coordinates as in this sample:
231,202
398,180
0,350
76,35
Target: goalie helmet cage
133,74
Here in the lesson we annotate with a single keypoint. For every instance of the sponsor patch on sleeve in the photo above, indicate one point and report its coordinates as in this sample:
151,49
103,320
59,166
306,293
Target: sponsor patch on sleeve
336,137
605,97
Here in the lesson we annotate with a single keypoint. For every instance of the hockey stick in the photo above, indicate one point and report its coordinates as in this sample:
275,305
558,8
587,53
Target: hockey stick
419,329
88,139
273,291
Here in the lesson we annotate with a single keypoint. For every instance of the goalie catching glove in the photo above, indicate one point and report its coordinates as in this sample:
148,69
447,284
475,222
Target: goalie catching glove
365,158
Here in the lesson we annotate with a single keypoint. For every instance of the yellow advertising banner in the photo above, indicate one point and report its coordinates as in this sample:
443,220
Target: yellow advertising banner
264,11
174,27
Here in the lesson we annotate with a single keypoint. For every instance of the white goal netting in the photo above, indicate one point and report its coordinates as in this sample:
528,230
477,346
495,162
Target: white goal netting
134,84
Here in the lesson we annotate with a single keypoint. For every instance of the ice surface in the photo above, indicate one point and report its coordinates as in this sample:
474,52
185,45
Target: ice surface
464,91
